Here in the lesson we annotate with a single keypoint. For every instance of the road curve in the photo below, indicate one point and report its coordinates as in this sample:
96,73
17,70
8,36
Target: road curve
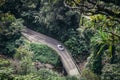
66,59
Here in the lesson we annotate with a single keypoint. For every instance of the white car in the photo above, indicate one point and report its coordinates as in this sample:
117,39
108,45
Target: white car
60,47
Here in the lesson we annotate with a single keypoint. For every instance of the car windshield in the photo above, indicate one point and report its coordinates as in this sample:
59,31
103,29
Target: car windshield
60,47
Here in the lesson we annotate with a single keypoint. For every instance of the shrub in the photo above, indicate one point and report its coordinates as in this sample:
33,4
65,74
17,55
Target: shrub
71,78
22,63
44,54
88,75
5,74
4,62
111,72
42,74
79,42
10,28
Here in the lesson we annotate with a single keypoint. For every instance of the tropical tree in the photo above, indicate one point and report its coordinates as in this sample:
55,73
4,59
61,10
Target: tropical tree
104,41
10,28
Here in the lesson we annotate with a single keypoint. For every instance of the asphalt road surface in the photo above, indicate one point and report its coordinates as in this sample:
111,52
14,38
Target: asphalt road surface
66,59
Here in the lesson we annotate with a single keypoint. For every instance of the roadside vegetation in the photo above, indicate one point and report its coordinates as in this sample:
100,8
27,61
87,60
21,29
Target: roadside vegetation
90,29
31,61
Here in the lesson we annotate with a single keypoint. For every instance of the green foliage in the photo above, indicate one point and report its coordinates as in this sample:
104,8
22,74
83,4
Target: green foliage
52,18
94,63
104,42
22,63
61,23
117,59
71,78
88,75
10,28
42,74
100,45
22,52
44,54
72,3
4,62
5,74
111,72
77,45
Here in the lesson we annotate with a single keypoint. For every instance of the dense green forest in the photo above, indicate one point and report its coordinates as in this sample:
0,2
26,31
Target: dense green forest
89,29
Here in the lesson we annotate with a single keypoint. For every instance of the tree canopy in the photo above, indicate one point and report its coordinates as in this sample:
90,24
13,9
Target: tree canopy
90,29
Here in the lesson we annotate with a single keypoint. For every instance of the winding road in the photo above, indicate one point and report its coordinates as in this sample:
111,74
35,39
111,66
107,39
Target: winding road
66,59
